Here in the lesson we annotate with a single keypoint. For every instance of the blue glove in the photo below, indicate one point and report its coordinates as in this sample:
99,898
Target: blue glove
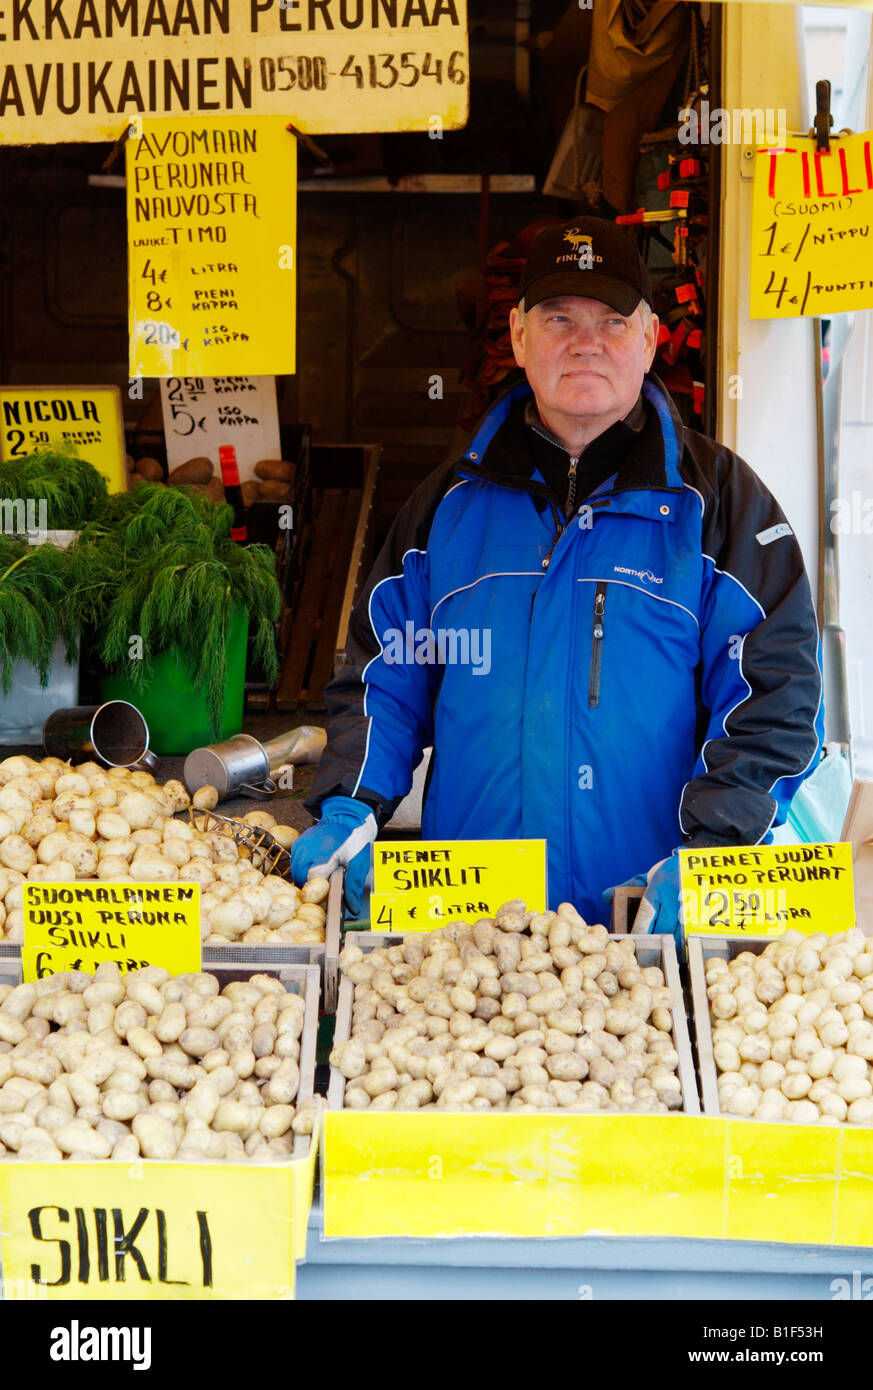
341,839
660,909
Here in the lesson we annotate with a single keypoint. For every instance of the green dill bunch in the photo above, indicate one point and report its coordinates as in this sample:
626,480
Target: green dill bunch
155,513
72,489
35,607
159,563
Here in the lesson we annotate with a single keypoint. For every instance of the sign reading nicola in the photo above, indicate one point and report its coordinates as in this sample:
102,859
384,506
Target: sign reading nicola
83,69
85,419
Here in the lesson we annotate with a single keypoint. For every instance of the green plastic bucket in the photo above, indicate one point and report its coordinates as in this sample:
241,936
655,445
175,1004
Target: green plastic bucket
173,707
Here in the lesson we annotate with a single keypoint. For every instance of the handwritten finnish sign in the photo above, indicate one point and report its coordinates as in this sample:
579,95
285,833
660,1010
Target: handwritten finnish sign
76,926
424,884
764,890
148,1230
812,228
202,413
211,224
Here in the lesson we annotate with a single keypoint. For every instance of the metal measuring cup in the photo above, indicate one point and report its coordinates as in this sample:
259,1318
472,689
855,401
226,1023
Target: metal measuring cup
115,733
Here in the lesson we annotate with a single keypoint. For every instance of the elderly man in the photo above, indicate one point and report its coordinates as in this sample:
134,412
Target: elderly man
652,680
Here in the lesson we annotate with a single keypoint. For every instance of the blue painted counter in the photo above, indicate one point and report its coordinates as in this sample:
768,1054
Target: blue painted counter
594,1267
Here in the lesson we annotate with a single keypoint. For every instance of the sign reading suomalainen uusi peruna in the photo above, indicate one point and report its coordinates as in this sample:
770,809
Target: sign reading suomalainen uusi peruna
84,69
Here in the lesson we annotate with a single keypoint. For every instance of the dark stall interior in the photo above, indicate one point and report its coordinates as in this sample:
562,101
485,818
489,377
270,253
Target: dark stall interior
408,252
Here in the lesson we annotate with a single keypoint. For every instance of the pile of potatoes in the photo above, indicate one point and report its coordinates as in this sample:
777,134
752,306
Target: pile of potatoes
150,1065
528,1011
272,481
59,823
196,473
792,1029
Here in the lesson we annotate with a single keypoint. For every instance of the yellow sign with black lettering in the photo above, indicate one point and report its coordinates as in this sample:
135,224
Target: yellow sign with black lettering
74,70
76,926
85,419
424,884
211,226
812,215
147,1230
763,890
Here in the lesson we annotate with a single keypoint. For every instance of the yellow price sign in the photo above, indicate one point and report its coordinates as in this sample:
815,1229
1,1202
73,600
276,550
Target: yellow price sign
76,926
87,419
148,1230
763,890
423,884
811,219
211,225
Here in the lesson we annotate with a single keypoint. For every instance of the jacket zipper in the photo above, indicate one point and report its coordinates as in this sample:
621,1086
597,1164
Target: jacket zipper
597,645
571,487
571,470
560,528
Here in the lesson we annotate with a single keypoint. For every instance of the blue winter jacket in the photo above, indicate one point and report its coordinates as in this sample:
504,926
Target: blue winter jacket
644,676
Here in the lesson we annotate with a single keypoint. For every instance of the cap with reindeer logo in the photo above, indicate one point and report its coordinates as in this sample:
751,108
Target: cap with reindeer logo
589,257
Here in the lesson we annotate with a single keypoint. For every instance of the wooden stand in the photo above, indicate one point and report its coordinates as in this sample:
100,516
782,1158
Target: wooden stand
336,557
624,908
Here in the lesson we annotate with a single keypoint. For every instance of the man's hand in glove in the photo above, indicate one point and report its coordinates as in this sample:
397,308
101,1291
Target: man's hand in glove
341,839
661,908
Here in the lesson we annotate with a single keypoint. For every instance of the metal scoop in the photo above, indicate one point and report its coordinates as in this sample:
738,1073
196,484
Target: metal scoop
242,766
267,854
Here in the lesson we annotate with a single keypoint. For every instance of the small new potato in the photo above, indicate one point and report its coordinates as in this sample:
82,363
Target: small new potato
205,798
315,890
285,835
139,810
16,853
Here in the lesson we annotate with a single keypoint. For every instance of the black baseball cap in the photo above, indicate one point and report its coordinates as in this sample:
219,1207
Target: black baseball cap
590,257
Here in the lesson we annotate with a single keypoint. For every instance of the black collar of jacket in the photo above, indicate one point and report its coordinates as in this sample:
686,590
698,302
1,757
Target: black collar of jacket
510,458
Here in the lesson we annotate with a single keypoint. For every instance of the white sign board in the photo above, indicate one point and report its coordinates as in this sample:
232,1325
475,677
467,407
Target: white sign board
203,412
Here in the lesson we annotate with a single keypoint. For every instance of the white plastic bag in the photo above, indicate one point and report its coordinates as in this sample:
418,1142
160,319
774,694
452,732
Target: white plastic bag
818,809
